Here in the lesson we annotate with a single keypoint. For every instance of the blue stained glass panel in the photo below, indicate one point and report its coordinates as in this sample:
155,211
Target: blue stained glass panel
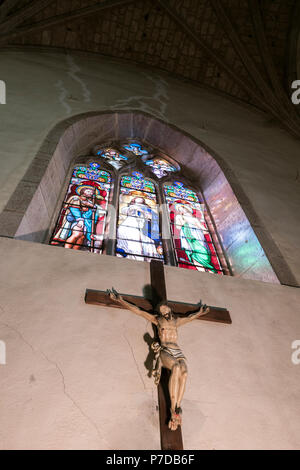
136,149
113,157
138,182
161,167
179,191
91,172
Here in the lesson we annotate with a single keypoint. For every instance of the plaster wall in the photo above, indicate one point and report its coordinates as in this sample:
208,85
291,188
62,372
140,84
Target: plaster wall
44,88
75,374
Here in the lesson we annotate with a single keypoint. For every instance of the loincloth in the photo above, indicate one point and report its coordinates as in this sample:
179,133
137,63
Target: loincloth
175,353
158,349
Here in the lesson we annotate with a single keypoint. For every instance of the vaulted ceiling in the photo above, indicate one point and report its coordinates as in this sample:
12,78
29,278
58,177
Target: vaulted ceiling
244,48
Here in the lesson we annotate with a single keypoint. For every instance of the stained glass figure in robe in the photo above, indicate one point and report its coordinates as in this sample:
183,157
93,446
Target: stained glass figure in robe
81,222
161,167
136,149
138,235
114,158
192,241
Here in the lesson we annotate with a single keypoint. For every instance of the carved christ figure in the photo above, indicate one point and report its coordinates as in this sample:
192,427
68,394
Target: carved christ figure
167,351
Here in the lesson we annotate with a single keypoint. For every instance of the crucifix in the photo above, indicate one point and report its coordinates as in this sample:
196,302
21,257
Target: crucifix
166,316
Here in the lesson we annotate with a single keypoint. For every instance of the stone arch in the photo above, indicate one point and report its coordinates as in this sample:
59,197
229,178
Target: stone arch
250,249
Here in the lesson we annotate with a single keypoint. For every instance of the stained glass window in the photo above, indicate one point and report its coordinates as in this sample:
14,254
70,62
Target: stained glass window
192,241
161,167
138,233
113,157
81,222
137,181
136,149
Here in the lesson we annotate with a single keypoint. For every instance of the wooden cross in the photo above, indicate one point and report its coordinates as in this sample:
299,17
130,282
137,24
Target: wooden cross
170,440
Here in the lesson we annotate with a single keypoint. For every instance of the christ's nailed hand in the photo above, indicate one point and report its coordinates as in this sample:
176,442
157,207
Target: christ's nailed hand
114,295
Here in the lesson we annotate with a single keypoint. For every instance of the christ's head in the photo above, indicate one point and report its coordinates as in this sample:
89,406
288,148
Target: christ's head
164,310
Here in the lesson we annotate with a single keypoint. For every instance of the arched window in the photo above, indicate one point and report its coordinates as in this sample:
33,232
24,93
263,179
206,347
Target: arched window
82,219
144,181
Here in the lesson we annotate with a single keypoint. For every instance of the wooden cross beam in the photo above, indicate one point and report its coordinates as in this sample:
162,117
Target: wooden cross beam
170,440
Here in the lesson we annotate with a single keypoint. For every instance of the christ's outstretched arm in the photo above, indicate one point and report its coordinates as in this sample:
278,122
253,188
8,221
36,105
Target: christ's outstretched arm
200,312
116,297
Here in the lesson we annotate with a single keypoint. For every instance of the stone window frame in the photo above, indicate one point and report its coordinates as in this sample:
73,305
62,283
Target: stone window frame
29,211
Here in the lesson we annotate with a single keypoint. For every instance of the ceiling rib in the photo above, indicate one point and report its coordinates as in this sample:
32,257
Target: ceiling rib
293,38
263,46
63,18
257,20
206,47
244,54
263,90
6,7
285,112
265,97
21,15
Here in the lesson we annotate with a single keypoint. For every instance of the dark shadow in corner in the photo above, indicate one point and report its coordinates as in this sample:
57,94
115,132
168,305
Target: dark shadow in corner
150,295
